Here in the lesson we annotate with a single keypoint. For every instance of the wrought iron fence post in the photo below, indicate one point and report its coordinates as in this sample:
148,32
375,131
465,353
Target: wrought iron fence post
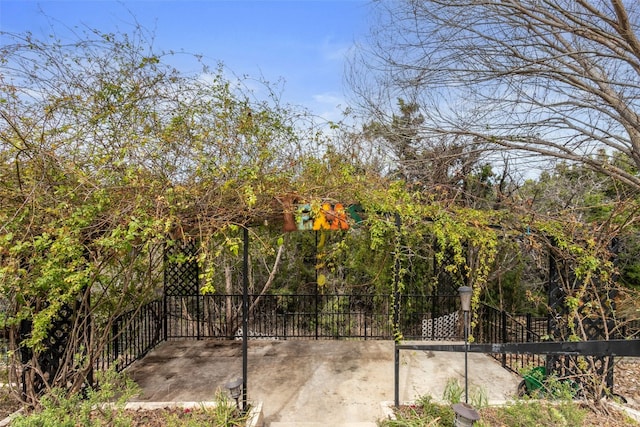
503,319
198,317
116,342
396,320
165,317
396,375
434,315
286,315
245,315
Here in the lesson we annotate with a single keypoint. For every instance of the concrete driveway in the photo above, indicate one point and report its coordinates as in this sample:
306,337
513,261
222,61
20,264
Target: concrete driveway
312,382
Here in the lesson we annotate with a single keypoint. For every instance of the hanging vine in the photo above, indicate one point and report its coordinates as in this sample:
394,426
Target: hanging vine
464,240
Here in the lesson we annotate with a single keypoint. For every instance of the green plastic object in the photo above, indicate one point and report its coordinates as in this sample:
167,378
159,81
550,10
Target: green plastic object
535,378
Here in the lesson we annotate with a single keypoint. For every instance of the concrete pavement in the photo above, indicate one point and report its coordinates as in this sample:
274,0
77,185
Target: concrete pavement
312,382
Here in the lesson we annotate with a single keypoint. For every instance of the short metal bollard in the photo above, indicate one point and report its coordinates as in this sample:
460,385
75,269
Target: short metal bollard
466,415
235,389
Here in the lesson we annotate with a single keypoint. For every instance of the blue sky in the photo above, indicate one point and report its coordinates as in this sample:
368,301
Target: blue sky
303,42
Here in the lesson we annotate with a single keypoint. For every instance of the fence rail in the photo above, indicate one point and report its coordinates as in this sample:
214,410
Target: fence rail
497,326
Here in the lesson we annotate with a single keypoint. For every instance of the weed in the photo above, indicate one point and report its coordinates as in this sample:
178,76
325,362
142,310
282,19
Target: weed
479,398
224,413
423,413
520,413
523,413
454,392
59,409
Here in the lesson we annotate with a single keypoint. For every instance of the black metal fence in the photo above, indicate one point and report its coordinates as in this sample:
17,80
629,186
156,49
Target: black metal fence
133,334
278,316
305,316
498,326
631,329
311,316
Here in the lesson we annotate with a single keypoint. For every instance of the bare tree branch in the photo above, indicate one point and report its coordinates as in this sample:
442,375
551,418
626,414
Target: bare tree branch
559,78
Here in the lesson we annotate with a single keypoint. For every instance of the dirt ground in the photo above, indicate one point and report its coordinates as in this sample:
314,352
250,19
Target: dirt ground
626,380
332,382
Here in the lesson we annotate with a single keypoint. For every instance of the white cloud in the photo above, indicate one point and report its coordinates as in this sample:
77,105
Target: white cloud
329,106
334,51
328,98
